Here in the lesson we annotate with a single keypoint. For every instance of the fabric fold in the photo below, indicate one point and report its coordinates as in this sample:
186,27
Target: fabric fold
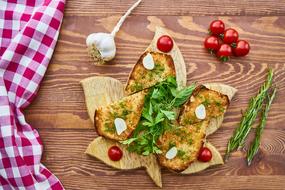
28,34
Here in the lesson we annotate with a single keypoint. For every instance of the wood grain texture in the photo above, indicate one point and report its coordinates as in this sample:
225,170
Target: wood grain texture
216,182
60,115
177,7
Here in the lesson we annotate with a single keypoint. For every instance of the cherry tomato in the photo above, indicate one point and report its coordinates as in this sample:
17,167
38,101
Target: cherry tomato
115,153
217,27
242,48
230,36
205,155
164,43
212,43
224,52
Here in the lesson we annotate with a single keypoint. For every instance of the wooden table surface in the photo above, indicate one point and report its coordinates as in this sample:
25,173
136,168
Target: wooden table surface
59,111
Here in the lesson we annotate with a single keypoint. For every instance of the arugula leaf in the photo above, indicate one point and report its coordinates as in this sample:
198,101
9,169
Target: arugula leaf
174,92
157,116
128,141
156,94
171,81
171,115
147,115
183,95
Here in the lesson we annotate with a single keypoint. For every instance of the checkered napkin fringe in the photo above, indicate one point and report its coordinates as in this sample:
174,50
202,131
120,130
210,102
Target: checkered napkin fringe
28,33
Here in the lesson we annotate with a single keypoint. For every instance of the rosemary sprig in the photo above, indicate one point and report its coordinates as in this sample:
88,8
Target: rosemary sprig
238,138
256,142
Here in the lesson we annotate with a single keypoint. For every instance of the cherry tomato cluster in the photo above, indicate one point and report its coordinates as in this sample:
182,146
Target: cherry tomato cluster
225,42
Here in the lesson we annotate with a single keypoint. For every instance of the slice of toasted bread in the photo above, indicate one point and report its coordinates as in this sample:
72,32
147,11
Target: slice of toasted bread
187,139
214,102
142,78
128,108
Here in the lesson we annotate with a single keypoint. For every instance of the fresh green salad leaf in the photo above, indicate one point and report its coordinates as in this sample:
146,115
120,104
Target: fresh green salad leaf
157,116
171,115
182,96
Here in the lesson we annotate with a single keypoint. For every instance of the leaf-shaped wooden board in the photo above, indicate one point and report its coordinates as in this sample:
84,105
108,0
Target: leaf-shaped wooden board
100,91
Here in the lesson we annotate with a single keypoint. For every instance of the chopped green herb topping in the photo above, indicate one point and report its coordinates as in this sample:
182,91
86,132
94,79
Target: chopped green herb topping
171,144
218,103
206,102
115,114
188,121
190,141
158,68
136,86
109,127
125,113
182,154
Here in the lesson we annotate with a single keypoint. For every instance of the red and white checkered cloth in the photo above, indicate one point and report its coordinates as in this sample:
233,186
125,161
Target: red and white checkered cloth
28,33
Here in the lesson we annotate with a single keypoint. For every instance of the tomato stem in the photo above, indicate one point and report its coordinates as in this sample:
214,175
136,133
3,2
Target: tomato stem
209,32
234,45
224,58
212,51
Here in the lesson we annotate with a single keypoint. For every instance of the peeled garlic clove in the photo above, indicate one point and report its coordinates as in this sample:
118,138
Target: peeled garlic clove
200,111
171,153
120,125
148,62
101,46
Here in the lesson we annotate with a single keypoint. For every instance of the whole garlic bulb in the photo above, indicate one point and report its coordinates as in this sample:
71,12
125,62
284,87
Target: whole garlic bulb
101,46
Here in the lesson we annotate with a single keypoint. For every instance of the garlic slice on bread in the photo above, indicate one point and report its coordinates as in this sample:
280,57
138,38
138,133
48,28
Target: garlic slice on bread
148,62
171,153
200,112
120,125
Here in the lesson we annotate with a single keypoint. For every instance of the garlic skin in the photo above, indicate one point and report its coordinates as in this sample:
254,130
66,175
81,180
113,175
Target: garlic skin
104,43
